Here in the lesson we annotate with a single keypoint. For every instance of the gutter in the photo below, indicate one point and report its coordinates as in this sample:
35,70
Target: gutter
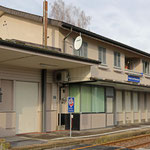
94,79
102,38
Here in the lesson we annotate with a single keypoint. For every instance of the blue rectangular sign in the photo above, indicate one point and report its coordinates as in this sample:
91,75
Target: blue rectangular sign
134,79
70,104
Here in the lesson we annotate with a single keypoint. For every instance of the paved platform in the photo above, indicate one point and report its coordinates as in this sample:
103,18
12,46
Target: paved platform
63,136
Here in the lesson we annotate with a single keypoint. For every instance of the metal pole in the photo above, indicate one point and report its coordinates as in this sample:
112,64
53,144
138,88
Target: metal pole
45,12
70,123
60,110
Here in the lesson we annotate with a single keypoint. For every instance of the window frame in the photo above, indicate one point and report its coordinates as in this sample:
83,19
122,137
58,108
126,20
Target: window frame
102,55
146,70
117,59
103,109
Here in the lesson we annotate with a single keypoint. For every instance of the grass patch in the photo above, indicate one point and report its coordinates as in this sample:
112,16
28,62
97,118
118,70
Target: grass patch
119,136
4,145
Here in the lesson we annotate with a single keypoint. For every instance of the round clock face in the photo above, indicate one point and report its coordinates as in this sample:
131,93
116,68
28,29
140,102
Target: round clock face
78,43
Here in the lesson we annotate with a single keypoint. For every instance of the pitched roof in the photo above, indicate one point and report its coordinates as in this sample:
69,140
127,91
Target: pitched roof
74,28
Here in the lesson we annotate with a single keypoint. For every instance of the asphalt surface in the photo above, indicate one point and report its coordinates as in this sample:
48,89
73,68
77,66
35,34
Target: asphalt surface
18,141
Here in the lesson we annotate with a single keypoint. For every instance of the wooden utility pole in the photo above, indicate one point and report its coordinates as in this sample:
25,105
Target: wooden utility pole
45,20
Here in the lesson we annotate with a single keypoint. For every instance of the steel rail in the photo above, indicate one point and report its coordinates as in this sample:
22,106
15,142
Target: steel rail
134,146
115,142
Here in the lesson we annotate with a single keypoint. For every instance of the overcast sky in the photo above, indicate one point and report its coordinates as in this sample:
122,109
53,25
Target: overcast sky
127,21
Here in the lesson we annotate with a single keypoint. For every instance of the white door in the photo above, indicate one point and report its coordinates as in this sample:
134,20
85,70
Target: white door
26,102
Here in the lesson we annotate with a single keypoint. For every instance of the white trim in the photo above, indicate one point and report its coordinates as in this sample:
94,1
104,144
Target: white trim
118,69
103,66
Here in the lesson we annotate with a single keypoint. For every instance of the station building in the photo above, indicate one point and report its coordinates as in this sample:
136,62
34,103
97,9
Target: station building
109,80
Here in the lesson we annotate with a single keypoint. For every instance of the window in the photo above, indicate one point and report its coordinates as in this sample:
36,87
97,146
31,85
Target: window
98,99
146,67
82,51
86,101
129,63
75,92
117,59
88,98
102,55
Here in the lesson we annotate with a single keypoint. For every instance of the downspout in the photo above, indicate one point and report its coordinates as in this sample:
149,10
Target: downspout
64,50
43,94
60,107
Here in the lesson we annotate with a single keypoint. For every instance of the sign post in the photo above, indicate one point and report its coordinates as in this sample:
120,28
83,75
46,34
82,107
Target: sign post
70,110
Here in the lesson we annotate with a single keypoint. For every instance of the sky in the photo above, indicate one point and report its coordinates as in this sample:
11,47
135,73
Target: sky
126,21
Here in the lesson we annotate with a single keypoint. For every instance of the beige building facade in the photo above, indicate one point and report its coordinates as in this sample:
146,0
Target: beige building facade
110,81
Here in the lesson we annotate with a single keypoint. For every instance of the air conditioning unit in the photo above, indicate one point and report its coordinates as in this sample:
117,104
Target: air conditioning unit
61,76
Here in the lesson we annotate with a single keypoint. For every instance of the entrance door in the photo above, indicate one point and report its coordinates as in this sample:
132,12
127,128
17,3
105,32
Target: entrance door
26,102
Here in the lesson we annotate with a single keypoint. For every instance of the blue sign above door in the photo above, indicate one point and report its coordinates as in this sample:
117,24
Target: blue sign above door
134,79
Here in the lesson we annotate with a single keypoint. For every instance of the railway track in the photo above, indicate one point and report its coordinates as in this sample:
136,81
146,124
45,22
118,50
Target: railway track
140,141
131,143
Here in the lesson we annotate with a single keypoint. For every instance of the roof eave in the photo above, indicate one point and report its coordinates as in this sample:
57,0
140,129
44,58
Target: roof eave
47,52
102,38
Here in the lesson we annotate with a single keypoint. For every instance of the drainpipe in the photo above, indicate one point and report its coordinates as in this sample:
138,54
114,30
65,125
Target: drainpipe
60,107
43,94
64,50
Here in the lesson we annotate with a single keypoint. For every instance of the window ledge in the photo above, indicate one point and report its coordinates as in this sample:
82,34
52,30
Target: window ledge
103,66
118,69
133,73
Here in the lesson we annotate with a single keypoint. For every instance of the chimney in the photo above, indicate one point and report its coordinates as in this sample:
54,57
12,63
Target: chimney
45,20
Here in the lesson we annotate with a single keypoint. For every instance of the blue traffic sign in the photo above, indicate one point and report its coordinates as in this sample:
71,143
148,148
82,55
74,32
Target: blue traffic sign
70,104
